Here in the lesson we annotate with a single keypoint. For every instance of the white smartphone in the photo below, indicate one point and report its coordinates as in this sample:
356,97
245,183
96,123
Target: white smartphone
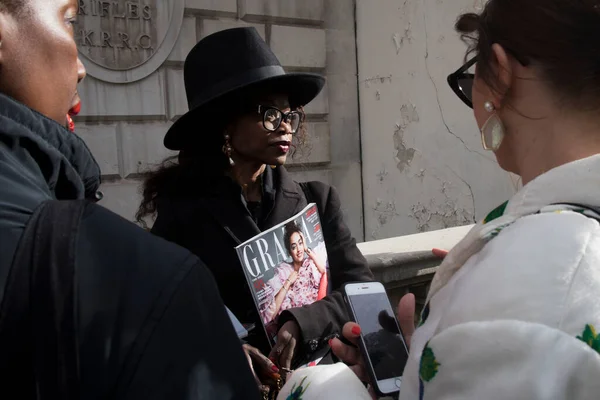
381,342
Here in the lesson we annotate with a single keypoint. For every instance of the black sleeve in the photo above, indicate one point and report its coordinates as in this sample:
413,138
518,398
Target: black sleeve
193,352
152,324
346,264
165,227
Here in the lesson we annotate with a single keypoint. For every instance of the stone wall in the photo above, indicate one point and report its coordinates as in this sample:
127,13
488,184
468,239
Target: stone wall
124,123
423,164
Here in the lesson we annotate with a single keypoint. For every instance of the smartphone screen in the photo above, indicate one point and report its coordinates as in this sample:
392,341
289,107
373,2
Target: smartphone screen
382,339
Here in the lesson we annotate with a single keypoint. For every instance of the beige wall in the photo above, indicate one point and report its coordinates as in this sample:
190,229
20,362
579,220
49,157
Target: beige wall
413,157
423,164
124,124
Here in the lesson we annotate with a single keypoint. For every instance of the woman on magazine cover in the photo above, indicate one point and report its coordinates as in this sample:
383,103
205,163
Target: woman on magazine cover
228,183
299,283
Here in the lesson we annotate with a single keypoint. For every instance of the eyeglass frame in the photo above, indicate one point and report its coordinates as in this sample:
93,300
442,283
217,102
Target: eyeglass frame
454,77
285,116
462,73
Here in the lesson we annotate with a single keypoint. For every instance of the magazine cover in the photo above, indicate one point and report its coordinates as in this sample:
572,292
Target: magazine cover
286,266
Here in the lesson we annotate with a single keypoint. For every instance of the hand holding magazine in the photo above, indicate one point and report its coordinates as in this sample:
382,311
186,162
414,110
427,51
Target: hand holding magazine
286,267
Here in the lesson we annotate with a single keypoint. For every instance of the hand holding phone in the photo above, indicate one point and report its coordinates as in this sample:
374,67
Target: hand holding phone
382,346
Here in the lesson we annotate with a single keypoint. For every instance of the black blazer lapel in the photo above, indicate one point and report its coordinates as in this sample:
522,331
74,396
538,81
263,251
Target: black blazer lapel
289,199
231,215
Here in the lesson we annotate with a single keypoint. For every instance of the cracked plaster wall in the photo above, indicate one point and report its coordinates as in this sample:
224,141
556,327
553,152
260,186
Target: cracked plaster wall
423,164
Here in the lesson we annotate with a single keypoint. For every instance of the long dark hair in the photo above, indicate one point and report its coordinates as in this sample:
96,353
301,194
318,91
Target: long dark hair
195,168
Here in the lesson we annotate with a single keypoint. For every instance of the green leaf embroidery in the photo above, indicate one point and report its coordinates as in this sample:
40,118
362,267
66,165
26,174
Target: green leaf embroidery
590,337
429,365
496,213
495,232
298,392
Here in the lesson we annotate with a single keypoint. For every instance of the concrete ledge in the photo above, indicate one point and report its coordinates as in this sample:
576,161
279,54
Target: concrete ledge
403,269
406,264
442,239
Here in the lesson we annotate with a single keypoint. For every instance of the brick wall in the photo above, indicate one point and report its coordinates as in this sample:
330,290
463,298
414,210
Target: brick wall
124,124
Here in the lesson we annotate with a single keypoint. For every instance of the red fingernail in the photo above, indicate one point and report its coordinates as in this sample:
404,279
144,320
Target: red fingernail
274,368
356,330
272,358
330,341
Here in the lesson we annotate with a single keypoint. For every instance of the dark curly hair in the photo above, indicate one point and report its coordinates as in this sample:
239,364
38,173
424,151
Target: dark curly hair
196,167
289,229
560,37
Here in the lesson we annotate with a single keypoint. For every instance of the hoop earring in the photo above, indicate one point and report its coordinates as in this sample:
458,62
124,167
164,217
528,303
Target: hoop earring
493,131
228,150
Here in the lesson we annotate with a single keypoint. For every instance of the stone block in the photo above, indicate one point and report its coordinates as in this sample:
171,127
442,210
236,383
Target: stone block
317,148
144,99
311,174
320,105
340,14
341,52
346,177
177,104
299,47
211,7
102,141
122,197
142,146
289,11
210,26
185,42
343,118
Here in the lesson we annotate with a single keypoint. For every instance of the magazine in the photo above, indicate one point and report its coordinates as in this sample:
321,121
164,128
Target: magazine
286,267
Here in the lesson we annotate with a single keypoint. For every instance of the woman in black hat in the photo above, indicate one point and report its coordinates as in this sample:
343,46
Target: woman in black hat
228,183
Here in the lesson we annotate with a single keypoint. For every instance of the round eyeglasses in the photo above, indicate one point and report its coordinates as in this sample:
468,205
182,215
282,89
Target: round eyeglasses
273,117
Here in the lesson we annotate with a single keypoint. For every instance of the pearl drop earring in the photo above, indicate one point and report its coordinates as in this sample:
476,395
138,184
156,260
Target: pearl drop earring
227,150
493,131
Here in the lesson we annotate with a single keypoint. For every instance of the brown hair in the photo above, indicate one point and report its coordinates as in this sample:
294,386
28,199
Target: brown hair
194,169
559,37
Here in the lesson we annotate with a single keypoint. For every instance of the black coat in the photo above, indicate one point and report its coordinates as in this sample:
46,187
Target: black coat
150,322
212,222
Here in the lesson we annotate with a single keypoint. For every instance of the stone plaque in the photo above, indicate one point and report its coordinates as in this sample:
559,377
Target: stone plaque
124,41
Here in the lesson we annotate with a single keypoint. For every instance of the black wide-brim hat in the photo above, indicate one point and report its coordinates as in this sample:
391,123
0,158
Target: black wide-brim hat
226,65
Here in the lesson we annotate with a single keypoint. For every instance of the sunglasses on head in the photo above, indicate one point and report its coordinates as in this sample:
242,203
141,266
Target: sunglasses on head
461,82
273,118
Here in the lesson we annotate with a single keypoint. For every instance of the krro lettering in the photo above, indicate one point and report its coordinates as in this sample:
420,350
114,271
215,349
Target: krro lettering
116,11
